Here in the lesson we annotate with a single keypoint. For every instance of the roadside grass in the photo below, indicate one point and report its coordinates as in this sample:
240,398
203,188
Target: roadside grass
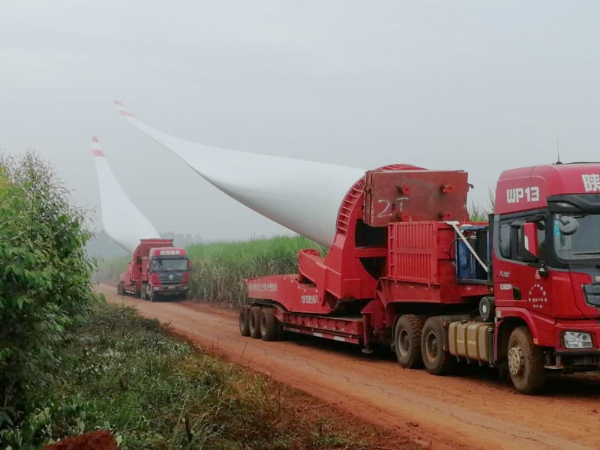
108,269
218,269
127,374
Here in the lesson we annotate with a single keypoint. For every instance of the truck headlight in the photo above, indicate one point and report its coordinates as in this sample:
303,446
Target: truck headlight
576,339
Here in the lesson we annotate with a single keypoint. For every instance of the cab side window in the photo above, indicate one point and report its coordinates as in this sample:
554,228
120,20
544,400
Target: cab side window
505,247
509,237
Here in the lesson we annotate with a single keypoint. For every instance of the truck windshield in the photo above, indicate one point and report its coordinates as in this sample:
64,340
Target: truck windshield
169,264
576,237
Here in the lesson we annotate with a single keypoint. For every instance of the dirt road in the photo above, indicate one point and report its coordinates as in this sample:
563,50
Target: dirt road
473,410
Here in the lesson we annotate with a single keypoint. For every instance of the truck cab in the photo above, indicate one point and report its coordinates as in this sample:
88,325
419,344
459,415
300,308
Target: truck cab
168,271
157,269
546,269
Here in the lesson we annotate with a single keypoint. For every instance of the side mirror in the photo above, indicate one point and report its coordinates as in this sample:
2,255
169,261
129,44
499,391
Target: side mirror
544,272
567,225
530,239
527,242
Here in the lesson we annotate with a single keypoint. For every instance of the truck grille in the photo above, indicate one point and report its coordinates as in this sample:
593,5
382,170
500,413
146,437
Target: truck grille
170,278
592,294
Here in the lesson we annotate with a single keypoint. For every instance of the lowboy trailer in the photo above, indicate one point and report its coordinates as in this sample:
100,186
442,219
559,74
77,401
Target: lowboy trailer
408,271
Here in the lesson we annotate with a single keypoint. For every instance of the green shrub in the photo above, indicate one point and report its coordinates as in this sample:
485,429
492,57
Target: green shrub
44,278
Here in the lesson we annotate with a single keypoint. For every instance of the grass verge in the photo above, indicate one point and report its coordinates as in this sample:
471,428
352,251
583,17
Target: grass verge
124,373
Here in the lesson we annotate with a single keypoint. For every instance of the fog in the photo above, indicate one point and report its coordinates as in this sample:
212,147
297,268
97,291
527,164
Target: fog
477,86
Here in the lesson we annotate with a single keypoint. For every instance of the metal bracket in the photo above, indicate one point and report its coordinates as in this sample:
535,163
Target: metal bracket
464,239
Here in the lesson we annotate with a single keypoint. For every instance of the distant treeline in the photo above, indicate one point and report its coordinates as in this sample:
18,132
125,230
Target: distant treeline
102,246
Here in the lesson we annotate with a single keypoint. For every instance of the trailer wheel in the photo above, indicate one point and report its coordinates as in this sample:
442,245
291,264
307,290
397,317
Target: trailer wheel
437,361
525,362
268,325
245,321
407,341
254,322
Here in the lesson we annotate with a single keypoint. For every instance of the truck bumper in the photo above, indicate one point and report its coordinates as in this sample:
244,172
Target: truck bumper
577,359
170,290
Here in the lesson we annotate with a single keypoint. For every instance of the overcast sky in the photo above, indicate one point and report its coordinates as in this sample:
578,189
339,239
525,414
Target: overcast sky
478,86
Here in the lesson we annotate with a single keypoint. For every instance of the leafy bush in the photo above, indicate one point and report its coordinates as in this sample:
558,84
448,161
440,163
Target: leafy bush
44,278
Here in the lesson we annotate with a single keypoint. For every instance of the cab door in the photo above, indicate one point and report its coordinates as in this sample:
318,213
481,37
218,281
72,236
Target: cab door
521,279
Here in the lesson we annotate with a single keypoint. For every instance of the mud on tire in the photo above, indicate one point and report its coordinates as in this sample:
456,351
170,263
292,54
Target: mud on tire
268,325
437,361
525,362
407,341
254,322
245,321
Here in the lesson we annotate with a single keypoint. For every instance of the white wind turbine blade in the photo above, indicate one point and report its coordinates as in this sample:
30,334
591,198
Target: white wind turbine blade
122,220
304,196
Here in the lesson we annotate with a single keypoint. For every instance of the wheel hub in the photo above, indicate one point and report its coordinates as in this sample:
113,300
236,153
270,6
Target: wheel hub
404,342
515,360
431,346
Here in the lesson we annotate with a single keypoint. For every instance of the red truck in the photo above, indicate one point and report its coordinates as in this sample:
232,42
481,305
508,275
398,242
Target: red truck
408,271
157,269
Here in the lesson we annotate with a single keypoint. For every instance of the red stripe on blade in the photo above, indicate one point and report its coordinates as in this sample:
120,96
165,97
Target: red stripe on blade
98,153
94,139
126,113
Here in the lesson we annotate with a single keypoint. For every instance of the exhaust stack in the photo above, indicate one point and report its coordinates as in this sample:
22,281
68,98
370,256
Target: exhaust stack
122,220
303,196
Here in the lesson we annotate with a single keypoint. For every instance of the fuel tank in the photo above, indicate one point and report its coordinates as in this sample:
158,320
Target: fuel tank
471,340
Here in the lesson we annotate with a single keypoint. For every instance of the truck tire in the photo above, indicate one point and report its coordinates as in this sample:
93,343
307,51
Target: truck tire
437,361
245,321
254,322
120,288
525,362
144,292
268,325
407,341
280,332
152,296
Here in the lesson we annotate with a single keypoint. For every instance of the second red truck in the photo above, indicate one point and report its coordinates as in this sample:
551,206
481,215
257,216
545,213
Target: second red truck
157,270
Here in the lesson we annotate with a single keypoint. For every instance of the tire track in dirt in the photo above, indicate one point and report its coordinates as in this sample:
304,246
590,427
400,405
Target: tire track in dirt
470,411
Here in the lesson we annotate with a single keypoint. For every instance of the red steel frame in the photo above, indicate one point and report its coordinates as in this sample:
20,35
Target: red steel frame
307,302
